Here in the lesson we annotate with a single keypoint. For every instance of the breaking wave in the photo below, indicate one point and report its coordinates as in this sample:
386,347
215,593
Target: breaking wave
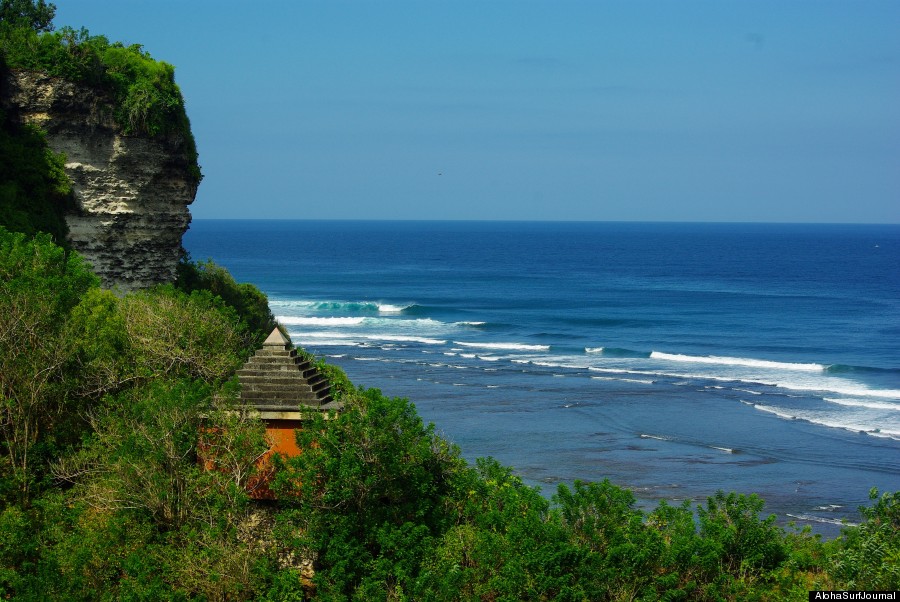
504,346
364,307
736,361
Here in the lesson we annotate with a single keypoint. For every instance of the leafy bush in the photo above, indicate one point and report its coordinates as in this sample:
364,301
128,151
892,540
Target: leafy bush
40,283
368,495
34,190
172,333
36,15
251,305
868,557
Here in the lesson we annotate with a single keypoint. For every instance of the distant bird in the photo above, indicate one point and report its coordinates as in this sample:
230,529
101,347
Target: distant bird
756,39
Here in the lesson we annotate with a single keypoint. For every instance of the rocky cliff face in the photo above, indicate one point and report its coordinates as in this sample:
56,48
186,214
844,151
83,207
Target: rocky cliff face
132,192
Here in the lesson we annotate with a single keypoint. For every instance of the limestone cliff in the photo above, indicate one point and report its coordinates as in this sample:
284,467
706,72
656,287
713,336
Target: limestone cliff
132,192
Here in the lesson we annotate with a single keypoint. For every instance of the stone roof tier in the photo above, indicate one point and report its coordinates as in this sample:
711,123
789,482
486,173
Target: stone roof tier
276,378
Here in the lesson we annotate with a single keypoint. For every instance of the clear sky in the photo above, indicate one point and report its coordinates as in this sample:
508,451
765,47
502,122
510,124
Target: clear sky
655,110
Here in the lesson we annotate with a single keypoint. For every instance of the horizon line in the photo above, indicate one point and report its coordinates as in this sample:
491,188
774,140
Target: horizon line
537,221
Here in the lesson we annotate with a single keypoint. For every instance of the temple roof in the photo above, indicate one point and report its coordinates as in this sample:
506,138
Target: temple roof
277,379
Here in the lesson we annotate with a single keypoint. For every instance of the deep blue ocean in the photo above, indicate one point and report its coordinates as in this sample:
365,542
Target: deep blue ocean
674,359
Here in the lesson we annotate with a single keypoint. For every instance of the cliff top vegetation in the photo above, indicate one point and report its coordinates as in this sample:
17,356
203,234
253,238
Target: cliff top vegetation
147,101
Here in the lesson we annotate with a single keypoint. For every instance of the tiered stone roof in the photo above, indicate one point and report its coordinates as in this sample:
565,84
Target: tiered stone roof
276,379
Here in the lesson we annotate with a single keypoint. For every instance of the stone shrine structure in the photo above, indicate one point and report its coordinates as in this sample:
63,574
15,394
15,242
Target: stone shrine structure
281,386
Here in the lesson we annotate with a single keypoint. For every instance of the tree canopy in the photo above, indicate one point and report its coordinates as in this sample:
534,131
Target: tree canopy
35,14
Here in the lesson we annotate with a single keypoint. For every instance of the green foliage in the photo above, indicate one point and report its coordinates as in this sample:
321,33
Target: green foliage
251,305
168,473
31,14
100,356
125,461
39,285
508,544
142,452
171,333
145,97
340,382
367,496
622,555
868,557
34,190
745,544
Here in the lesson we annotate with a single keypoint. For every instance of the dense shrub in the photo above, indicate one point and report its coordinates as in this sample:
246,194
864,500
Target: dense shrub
868,557
40,283
251,305
368,495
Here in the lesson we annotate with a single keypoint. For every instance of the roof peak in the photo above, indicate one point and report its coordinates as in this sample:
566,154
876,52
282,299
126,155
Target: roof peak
276,339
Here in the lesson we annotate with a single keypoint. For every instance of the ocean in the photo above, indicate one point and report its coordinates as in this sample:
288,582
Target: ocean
673,359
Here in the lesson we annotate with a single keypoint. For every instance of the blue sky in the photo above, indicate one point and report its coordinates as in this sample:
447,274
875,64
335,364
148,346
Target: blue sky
652,110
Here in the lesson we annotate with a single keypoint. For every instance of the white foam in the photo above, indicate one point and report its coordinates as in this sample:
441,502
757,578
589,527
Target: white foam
848,388
858,423
300,303
617,370
358,306
773,410
798,380
370,326
735,361
593,349
505,346
470,323
321,342
544,364
319,321
329,334
624,380
819,519
387,308
405,339
862,403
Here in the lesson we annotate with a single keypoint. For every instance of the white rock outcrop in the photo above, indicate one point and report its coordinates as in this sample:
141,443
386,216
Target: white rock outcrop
132,192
